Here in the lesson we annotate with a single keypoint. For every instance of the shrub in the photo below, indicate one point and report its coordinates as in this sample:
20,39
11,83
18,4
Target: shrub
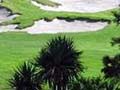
117,16
59,63
25,78
95,84
111,66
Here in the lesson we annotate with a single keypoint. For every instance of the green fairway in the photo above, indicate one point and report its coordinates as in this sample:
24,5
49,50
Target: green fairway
18,47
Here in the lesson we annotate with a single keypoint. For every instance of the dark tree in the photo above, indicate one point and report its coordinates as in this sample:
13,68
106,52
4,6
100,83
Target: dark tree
25,78
59,63
95,84
111,66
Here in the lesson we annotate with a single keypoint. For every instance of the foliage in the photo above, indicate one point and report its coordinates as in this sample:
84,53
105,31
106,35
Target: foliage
95,84
111,66
117,16
59,62
25,78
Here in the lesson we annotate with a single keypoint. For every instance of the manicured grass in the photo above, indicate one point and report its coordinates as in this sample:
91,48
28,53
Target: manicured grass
48,3
18,47
30,13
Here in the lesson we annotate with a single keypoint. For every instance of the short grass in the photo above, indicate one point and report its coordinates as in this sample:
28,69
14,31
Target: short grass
30,13
48,3
18,47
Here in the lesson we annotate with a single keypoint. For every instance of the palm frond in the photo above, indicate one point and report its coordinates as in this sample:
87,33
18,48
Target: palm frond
25,78
95,84
59,61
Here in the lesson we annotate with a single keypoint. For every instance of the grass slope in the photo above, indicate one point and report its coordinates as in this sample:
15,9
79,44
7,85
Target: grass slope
18,47
30,13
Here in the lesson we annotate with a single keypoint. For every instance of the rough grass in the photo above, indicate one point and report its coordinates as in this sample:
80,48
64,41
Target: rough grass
30,13
18,47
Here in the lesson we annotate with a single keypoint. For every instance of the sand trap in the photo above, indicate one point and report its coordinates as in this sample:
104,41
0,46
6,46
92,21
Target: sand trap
5,15
9,28
60,26
57,26
81,5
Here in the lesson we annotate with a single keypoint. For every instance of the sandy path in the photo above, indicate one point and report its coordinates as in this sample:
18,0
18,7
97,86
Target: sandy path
81,5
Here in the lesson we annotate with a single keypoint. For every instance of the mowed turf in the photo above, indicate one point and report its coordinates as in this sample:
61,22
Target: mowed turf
15,48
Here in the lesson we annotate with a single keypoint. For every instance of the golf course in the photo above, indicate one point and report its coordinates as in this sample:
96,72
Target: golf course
27,25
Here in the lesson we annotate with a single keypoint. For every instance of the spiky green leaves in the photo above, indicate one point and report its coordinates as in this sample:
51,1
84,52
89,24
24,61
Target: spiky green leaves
95,84
57,64
60,62
25,78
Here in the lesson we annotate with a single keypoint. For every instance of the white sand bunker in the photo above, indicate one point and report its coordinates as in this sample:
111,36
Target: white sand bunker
9,28
81,5
5,14
57,26
60,26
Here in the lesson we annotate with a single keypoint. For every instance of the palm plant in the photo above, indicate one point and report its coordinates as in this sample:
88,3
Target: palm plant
59,63
95,84
25,78
111,66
